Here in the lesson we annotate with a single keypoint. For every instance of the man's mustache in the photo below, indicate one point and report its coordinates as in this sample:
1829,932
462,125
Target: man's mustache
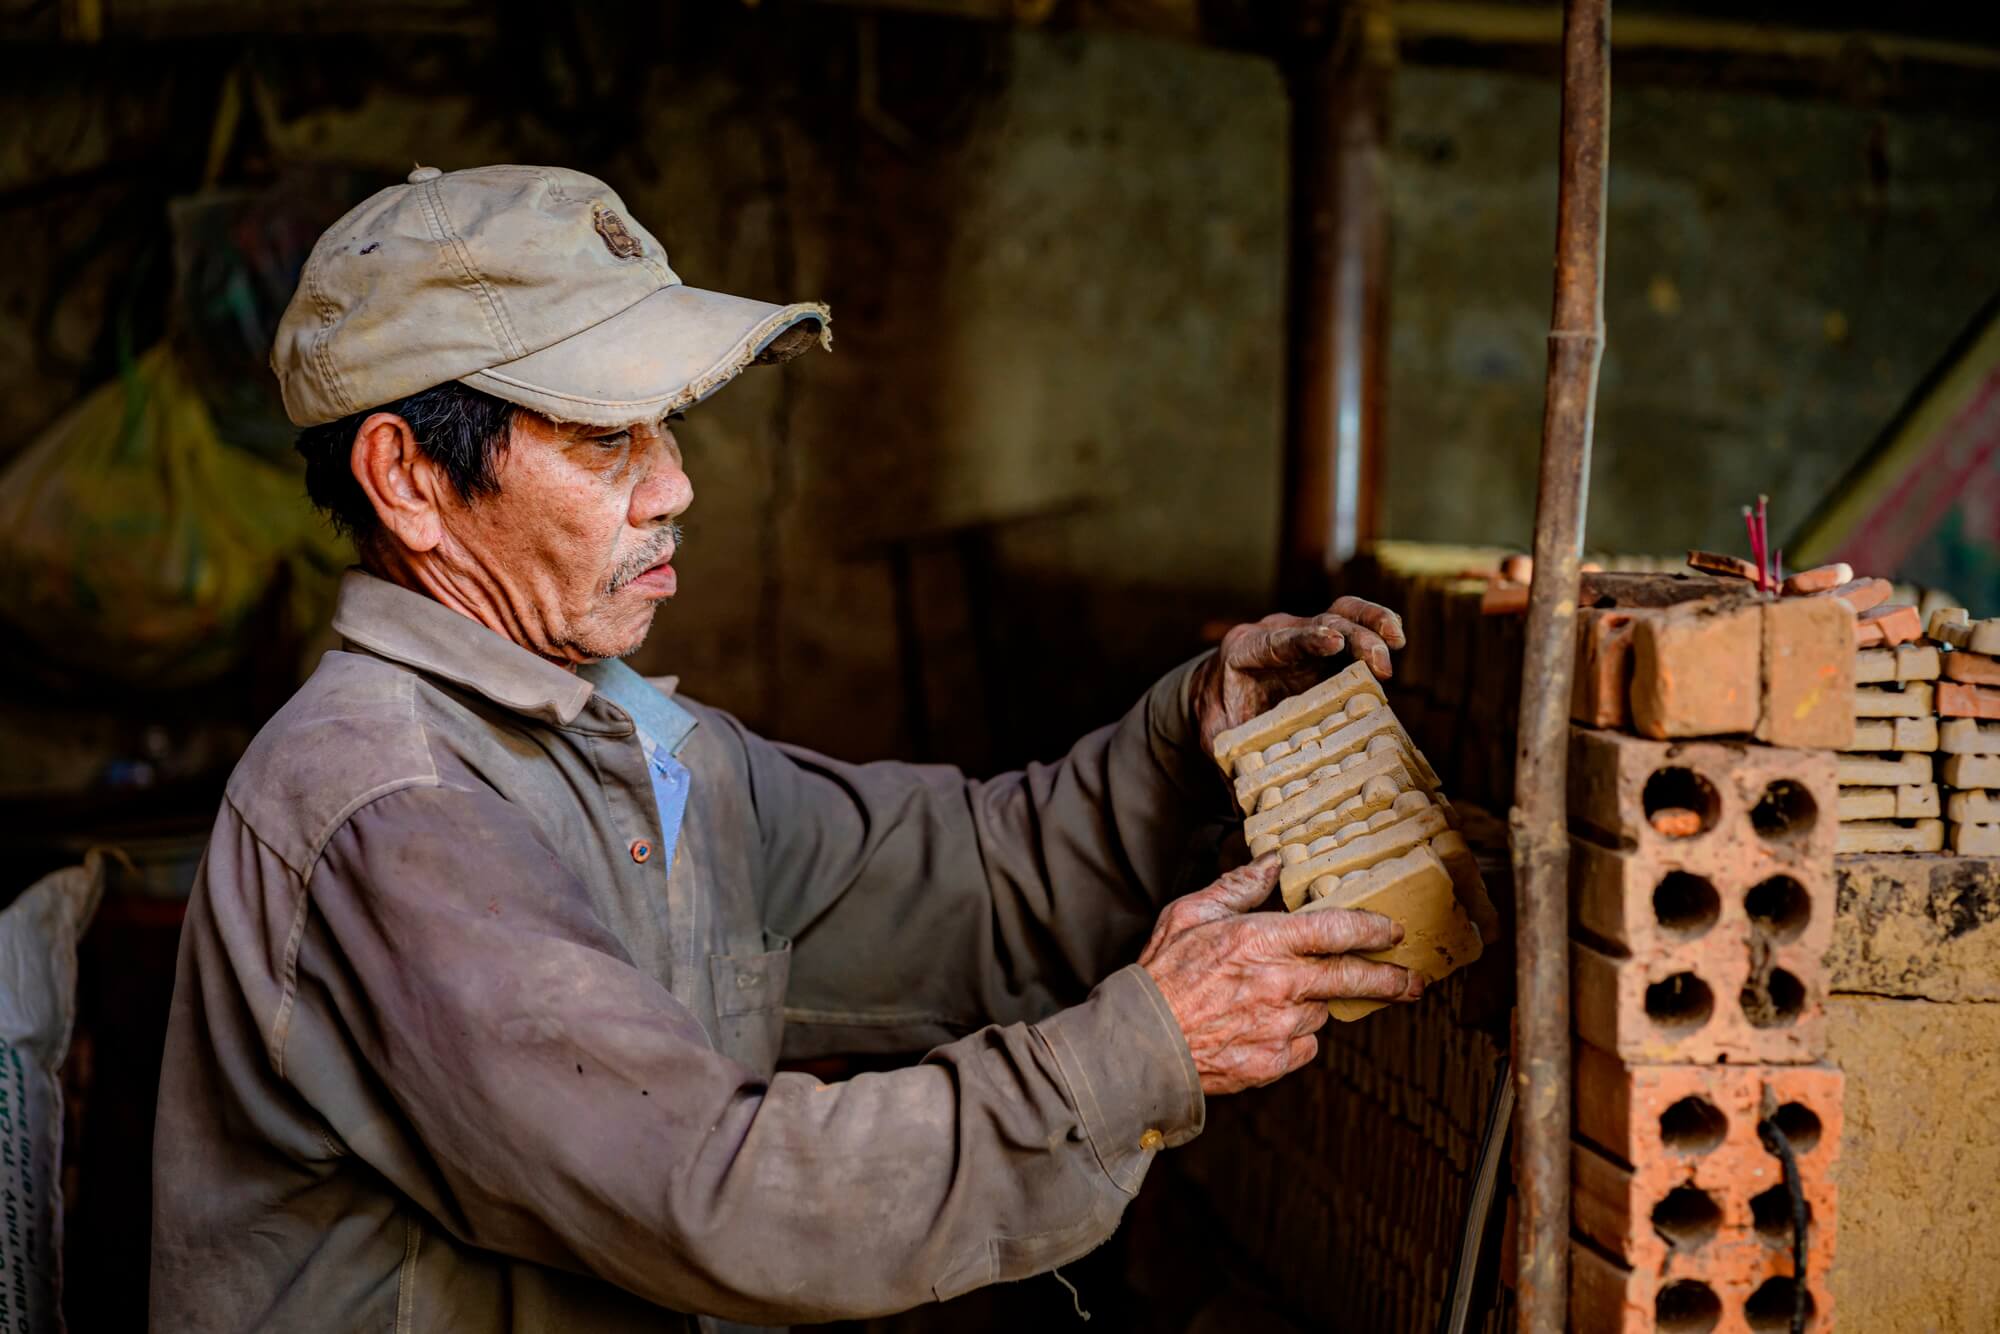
652,554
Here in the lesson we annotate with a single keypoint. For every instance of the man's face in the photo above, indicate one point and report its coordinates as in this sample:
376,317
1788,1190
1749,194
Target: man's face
571,553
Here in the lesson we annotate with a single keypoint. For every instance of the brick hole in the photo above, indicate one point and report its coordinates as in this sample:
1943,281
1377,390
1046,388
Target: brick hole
1687,1306
1799,1124
1686,903
1771,1213
1680,803
1785,811
1777,1004
1779,906
1692,1125
1682,1002
1687,1216
1770,1307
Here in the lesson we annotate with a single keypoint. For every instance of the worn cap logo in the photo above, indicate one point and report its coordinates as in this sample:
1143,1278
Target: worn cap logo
617,239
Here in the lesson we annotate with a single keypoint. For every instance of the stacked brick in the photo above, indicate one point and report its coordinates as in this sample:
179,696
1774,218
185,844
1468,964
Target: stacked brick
1968,705
1889,799
1331,782
1703,893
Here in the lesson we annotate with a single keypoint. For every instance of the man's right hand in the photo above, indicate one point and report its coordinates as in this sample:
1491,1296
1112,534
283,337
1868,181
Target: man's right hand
1250,988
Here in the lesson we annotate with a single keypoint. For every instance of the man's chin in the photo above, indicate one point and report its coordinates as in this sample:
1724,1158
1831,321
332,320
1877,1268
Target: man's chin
599,645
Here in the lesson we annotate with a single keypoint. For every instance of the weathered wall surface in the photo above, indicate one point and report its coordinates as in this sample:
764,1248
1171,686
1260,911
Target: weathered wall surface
1780,276
1918,1249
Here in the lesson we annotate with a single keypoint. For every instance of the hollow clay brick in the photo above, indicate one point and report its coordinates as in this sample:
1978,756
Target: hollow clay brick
1360,853
1916,801
1603,666
1707,995
1633,1125
1819,579
1807,673
1911,701
1416,890
1309,708
1263,829
1980,806
1722,564
1958,700
1695,671
1950,625
1892,836
1609,772
1377,806
1659,908
1974,669
1899,734
1312,762
1884,770
1969,736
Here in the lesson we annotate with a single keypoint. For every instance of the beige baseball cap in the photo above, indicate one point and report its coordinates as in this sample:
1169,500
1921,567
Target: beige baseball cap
531,283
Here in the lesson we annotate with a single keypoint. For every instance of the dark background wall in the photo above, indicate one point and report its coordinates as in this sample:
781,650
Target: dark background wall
1046,449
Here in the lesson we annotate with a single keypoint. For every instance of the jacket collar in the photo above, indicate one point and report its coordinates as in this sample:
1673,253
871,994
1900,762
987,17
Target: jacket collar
393,622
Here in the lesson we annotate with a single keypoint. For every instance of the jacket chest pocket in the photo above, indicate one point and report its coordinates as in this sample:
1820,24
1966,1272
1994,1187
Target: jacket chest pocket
750,1002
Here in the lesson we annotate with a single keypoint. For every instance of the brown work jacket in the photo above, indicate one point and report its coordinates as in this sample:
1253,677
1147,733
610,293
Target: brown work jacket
451,1050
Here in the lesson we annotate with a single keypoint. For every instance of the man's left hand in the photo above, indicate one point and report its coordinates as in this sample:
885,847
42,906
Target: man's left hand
1259,665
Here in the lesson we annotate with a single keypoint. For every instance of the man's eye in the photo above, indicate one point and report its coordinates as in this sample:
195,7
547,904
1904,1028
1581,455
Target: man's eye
616,440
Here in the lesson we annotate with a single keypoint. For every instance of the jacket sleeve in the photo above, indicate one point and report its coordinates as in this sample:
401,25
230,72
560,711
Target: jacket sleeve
469,1027
922,903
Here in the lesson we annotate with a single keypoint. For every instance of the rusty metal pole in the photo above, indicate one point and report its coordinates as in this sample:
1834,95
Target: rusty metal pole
1338,289
1539,820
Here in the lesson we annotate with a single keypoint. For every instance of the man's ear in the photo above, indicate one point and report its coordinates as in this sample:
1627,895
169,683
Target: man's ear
406,488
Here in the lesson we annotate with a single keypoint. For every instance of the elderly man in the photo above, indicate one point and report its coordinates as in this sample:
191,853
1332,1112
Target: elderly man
497,945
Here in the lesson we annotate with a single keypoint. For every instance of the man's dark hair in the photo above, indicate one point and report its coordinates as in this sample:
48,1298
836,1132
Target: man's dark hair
461,429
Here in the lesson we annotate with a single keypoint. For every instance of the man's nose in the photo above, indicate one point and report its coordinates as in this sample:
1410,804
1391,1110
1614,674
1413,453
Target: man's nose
664,494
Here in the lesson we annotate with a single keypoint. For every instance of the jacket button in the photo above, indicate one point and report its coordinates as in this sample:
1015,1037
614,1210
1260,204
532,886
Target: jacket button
1152,1141
641,849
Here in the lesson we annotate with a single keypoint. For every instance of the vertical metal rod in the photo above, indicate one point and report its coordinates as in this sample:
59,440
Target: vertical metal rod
1539,823
1338,282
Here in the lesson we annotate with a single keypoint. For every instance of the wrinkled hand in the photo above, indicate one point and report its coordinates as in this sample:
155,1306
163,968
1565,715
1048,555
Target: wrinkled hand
1259,665
1250,988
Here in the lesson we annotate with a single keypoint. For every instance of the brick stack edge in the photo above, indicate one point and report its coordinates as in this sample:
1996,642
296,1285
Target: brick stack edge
1967,698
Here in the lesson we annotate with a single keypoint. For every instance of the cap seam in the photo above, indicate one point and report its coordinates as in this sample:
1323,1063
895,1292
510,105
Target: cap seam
323,351
491,310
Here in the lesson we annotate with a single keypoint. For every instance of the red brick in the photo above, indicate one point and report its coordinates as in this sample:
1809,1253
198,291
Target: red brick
1819,579
1955,699
1503,600
1695,671
1645,1131
1972,668
1888,625
1808,673
1721,563
1603,666
1864,594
